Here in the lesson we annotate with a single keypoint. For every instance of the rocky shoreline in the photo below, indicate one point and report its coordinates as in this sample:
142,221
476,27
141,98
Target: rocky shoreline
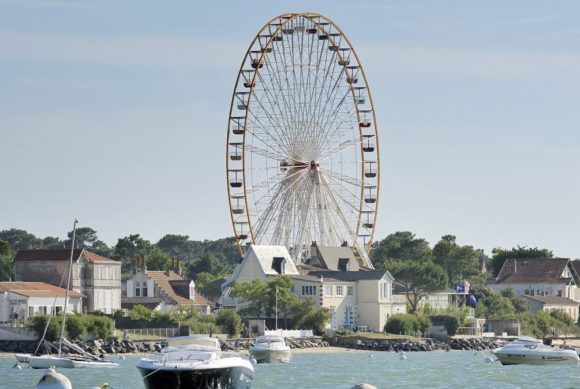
106,347
471,344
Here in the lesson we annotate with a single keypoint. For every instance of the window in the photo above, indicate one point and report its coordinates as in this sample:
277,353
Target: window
560,293
328,290
278,265
384,290
339,291
349,290
308,290
145,289
137,289
527,292
343,264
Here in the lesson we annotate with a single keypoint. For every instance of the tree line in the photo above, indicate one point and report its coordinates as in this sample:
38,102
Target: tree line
203,261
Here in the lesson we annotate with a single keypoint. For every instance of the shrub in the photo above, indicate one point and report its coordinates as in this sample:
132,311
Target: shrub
451,323
75,327
229,321
407,324
100,327
37,324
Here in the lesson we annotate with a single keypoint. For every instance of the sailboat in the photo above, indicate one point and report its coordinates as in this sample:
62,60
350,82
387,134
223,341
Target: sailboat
83,359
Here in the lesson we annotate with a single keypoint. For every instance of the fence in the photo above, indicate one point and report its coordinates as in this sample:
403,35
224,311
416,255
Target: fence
471,331
160,332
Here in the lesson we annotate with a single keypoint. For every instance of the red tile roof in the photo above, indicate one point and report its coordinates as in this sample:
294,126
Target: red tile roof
164,281
59,255
36,289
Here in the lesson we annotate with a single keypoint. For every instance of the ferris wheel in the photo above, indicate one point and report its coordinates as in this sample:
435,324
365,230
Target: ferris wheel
302,154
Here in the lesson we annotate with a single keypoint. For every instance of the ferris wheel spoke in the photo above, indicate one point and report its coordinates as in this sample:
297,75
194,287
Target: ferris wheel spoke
351,232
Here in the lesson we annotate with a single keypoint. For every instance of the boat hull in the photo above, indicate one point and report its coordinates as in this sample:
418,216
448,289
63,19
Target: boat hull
236,377
47,361
536,359
271,356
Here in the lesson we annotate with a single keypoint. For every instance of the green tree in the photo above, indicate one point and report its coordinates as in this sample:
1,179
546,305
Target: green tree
500,255
460,262
127,250
280,290
141,312
401,245
84,237
101,327
229,321
419,278
20,240
155,259
51,242
175,246
6,265
207,263
254,295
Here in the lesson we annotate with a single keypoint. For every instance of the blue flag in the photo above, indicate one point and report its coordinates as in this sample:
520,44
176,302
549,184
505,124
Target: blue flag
472,301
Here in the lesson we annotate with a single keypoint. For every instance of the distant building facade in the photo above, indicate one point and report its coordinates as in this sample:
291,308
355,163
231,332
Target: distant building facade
355,297
20,301
162,290
96,277
537,277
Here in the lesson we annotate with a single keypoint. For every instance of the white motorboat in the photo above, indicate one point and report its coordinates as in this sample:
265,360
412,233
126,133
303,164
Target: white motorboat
271,348
531,351
195,362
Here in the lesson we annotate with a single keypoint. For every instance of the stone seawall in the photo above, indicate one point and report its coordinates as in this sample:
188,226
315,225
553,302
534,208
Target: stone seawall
472,344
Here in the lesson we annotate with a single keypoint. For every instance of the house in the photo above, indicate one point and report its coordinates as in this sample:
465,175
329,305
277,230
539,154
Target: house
553,303
537,277
22,300
259,262
358,298
162,290
96,277
355,298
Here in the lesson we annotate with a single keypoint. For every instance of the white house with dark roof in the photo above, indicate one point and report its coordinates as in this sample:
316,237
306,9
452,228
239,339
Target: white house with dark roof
96,277
537,277
367,296
553,303
162,290
259,262
20,301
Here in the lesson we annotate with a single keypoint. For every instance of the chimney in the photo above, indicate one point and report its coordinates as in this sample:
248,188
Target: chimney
176,266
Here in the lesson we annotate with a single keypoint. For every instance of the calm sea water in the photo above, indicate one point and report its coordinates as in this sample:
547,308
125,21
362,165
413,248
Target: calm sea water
456,370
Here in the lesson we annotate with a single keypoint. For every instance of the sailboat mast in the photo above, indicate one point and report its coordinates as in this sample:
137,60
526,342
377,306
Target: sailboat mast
276,309
72,247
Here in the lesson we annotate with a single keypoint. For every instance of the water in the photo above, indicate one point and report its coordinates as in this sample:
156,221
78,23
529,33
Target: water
456,369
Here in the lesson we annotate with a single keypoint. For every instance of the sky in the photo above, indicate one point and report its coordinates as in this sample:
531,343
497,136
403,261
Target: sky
115,113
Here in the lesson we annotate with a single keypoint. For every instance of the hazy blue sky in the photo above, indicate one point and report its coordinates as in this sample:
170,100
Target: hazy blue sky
115,113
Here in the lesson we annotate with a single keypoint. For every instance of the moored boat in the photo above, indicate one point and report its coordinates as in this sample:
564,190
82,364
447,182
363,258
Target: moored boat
271,349
531,351
195,362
